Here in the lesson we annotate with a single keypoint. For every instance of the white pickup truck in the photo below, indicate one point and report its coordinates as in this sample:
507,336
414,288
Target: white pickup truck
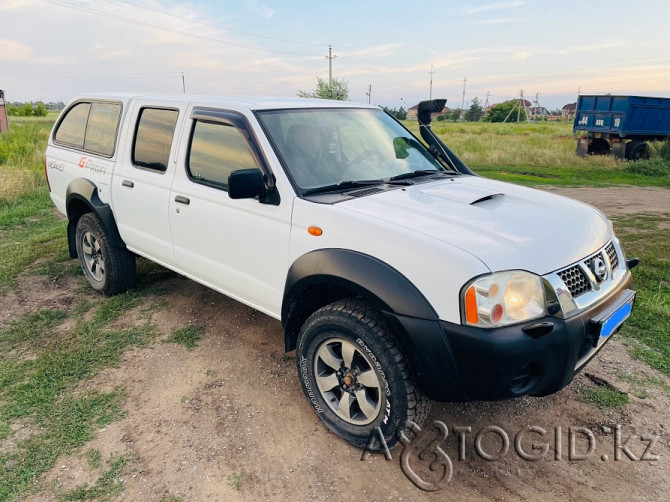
399,275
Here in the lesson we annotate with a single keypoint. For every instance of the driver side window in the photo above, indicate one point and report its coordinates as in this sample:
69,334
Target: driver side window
216,150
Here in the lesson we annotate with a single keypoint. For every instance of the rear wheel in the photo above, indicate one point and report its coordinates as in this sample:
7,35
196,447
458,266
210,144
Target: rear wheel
109,270
355,374
637,150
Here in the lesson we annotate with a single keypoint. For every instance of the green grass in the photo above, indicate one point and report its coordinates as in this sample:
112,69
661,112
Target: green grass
237,480
94,458
24,144
640,385
108,486
188,336
603,397
172,498
39,377
30,233
542,153
648,329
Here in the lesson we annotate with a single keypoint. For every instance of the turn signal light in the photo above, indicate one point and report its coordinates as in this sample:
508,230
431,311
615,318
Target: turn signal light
316,231
471,306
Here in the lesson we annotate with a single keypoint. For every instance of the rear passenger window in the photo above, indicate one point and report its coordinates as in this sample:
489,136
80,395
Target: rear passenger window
153,139
91,127
103,121
72,128
217,150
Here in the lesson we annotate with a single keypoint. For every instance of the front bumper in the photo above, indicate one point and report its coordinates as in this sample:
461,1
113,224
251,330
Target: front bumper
456,362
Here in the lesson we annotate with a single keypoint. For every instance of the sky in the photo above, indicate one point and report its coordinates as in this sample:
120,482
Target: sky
52,50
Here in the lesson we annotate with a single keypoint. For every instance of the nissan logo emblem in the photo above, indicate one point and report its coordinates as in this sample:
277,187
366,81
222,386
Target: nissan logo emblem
599,269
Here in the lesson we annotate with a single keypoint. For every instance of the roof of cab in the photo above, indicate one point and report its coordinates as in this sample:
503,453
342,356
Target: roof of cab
252,103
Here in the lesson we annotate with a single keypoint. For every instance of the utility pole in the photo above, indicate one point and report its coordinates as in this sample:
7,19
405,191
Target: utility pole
522,101
486,105
369,93
183,83
330,58
463,100
431,82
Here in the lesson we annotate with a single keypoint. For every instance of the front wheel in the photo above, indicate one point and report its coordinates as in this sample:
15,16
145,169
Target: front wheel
109,270
356,376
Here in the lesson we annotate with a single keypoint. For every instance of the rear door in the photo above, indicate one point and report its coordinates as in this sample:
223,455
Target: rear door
144,174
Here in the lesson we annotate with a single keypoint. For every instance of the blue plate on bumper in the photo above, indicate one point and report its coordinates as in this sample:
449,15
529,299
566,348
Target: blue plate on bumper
611,320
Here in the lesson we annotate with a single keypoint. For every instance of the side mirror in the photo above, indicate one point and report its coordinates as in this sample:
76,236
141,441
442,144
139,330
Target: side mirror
245,184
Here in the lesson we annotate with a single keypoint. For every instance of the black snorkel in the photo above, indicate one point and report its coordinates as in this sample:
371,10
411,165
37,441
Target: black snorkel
437,148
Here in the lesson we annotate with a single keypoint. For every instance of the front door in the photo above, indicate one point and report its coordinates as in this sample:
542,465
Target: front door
238,247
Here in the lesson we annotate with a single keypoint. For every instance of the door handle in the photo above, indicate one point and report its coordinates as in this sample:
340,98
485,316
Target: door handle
182,200
128,183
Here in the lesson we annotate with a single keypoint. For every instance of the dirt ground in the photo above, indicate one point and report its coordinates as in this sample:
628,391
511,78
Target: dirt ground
621,200
228,421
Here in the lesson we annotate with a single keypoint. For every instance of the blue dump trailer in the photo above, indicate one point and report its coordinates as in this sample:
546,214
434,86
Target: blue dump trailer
621,125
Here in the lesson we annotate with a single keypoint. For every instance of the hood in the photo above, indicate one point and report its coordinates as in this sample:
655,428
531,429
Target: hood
506,226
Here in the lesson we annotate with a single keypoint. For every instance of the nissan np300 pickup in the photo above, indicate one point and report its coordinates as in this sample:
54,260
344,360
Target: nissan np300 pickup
398,274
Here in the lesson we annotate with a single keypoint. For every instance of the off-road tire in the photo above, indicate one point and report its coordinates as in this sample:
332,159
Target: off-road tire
355,322
109,270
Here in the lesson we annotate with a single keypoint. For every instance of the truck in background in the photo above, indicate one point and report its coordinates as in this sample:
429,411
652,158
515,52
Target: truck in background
621,125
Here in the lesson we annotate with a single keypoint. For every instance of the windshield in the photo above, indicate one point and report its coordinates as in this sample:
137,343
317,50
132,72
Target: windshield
332,146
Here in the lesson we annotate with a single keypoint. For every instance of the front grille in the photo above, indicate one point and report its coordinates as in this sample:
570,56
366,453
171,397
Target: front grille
588,261
611,254
575,280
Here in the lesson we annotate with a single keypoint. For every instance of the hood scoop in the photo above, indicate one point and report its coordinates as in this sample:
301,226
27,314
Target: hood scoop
462,192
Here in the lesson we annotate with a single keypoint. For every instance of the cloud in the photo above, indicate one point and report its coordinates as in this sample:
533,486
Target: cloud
14,51
519,56
497,20
8,5
264,11
377,51
495,6
597,47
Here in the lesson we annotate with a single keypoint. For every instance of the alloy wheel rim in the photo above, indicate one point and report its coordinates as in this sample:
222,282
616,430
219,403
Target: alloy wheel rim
95,264
347,381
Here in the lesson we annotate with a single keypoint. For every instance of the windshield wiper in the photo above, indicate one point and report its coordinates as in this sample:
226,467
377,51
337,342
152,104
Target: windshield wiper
416,174
342,185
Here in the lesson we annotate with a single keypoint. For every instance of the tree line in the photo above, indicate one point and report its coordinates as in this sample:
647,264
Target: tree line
38,109
509,111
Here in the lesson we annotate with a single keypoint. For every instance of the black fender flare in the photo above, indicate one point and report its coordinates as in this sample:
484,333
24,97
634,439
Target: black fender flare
323,276
358,273
85,192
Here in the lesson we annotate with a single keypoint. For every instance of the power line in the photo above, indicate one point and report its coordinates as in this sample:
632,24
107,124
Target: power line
62,3
221,27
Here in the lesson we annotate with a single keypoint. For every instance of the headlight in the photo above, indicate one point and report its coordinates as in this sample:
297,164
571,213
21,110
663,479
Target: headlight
503,298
